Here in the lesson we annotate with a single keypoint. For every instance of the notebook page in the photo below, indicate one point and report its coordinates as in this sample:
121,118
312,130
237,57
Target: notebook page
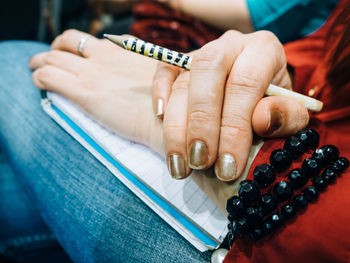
184,195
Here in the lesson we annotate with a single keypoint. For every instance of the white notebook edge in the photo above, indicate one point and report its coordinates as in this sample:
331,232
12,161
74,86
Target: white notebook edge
173,222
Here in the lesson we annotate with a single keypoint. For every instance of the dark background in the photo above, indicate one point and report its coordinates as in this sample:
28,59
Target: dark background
20,19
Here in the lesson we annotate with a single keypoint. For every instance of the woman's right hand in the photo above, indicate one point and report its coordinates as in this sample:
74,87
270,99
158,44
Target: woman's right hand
210,113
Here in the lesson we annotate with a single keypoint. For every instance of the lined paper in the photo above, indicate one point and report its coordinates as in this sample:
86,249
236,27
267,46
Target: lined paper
150,168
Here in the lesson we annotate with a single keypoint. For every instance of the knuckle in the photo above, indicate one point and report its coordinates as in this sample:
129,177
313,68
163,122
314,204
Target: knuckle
68,33
161,66
266,36
174,132
52,57
171,126
232,129
180,85
243,83
67,36
43,73
269,39
158,83
230,34
208,57
303,117
200,115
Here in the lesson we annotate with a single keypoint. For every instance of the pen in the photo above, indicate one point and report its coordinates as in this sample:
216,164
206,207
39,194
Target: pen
184,61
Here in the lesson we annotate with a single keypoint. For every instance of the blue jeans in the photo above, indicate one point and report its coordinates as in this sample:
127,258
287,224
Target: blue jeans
59,191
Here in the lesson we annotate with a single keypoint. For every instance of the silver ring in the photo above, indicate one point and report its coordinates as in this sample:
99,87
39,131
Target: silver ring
81,44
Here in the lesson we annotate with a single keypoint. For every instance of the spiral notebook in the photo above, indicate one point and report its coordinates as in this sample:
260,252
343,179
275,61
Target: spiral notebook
181,203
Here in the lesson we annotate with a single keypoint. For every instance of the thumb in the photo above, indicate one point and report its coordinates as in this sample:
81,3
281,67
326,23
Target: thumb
279,116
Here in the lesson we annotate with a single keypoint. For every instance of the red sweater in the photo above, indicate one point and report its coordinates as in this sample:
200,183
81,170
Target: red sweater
322,232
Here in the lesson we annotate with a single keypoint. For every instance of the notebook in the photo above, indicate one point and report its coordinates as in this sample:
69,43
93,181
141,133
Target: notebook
181,203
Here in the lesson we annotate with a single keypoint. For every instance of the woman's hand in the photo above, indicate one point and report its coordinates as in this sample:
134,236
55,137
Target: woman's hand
212,111
112,85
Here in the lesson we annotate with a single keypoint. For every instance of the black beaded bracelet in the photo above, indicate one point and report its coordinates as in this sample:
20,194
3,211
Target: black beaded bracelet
299,202
264,174
248,209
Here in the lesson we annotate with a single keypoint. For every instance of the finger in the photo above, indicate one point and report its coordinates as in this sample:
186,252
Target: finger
59,81
279,116
61,59
69,41
209,70
162,82
250,76
174,128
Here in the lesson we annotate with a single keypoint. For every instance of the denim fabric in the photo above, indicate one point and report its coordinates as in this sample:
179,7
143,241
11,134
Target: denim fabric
93,216
24,236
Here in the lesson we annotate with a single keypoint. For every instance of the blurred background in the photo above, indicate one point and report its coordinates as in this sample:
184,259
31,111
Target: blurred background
43,20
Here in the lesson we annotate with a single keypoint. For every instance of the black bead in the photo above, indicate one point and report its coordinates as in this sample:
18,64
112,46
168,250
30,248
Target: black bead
280,160
288,211
268,203
229,226
299,202
310,167
294,147
253,216
298,178
240,227
331,152
309,137
320,183
267,227
320,156
235,207
329,175
256,234
277,220
230,238
310,193
264,174
345,162
340,165
231,218
248,191
283,190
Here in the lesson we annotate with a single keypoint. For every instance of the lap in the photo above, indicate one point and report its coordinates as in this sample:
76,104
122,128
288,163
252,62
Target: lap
93,215
24,237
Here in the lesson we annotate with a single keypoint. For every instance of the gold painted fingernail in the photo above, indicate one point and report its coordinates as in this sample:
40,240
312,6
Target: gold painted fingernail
198,156
159,107
225,167
176,165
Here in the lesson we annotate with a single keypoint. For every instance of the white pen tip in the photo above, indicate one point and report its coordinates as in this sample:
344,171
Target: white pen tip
115,39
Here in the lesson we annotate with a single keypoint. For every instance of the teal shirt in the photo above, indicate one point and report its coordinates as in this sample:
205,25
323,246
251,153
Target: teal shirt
290,19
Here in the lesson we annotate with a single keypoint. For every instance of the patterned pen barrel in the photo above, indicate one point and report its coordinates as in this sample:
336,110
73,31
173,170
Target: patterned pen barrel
152,50
184,61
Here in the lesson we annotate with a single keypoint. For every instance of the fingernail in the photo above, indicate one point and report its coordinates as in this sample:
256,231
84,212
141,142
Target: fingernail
225,167
275,122
159,107
198,156
176,165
